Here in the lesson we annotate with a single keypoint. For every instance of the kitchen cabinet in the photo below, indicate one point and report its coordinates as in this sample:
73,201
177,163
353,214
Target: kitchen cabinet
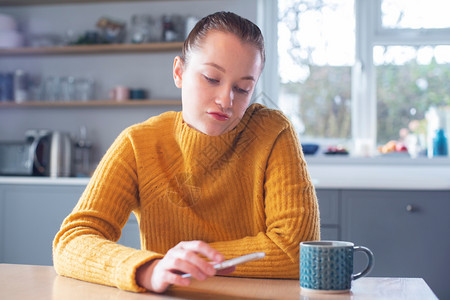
30,216
408,232
130,234
329,214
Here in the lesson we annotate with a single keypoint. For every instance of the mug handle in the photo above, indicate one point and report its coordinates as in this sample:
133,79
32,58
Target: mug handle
369,262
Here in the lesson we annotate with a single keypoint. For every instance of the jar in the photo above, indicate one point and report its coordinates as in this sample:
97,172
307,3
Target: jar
141,28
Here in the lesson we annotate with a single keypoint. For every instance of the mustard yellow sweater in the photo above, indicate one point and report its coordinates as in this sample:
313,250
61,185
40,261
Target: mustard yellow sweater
245,191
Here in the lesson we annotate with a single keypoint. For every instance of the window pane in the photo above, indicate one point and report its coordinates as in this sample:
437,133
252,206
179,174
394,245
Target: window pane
316,51
409,81
415,14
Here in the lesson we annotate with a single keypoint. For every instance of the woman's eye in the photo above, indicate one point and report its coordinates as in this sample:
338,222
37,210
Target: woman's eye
241,91
211,80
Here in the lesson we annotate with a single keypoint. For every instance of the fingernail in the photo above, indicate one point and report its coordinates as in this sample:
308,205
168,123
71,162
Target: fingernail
218,257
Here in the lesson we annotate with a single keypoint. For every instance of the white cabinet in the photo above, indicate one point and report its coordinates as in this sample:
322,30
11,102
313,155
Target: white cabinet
30,216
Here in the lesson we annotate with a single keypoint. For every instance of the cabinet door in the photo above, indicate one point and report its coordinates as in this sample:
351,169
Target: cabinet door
329,214
30,216
408,232
130,234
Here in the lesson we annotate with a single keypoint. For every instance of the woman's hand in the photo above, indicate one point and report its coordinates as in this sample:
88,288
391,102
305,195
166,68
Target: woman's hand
158,274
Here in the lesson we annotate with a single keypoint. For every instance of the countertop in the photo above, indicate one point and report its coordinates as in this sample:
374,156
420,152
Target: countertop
41,282
336,173
380,177
44,180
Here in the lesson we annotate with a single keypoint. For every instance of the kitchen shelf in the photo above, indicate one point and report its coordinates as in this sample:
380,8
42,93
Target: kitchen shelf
94,49
41,2
93,103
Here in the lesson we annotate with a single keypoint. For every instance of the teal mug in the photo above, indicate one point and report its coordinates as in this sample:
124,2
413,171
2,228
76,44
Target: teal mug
327,266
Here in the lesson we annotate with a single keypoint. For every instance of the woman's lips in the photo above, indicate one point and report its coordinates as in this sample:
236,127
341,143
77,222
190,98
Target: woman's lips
219,116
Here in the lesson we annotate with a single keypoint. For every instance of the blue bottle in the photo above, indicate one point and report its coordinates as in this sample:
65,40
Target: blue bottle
440,143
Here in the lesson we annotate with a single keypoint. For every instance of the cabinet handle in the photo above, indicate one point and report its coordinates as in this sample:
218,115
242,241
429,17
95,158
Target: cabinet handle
409,208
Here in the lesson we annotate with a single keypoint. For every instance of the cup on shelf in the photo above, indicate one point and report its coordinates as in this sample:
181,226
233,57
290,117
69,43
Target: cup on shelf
6,87
68,89
119,93
20,86
141,28
10,37
84,89
51,86
138,94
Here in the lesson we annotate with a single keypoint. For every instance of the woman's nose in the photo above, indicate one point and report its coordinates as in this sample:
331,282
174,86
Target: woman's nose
225,98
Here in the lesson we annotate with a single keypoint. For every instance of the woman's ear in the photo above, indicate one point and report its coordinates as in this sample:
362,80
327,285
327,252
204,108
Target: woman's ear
178,67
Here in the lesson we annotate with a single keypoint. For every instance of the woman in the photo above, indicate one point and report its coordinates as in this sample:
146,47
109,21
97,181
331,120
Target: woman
218,180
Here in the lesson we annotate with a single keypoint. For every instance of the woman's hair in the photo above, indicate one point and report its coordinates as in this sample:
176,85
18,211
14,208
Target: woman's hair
230,22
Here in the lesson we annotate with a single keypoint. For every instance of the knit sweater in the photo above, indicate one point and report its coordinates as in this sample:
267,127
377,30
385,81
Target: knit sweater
245,191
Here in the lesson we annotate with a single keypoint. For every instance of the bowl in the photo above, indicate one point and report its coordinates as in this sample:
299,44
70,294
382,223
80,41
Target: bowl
7,23
310,149
10,39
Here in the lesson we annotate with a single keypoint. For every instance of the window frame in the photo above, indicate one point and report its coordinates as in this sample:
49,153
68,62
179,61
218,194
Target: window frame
369,33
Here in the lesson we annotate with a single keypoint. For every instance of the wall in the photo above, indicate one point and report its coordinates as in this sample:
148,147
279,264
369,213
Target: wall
152,71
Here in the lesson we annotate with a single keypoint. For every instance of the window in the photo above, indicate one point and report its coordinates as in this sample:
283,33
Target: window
416,14
410,80
411,57
316,48
363,73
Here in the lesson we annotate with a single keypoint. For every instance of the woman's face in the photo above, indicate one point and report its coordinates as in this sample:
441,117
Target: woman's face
217,82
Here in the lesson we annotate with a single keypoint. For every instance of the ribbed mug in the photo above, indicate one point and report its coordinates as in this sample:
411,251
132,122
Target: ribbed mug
327,266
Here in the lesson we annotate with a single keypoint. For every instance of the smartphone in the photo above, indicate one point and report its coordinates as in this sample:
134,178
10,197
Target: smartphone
234,261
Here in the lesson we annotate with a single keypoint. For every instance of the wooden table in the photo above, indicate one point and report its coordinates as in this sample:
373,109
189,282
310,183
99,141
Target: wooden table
41,282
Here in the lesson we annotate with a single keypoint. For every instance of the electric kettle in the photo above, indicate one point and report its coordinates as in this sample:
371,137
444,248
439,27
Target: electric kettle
61,154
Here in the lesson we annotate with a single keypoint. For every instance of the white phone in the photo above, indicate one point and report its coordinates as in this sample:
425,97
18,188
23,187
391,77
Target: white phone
234,261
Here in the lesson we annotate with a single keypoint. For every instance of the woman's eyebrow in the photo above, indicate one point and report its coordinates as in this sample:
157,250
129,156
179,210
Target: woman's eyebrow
214,65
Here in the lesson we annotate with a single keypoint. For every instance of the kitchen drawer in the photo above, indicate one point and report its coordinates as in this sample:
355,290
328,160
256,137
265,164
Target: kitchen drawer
328,206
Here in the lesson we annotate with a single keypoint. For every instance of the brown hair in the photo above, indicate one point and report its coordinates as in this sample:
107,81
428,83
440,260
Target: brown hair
230,22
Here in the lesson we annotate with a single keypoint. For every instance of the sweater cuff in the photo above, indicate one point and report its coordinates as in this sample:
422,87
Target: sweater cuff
125,275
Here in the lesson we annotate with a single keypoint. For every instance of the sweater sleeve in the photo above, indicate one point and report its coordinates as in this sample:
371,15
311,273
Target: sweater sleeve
85,246
291,211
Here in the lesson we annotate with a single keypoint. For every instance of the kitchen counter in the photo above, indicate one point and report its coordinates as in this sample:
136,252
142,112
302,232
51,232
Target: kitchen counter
384,173
380,177
336,173
75,181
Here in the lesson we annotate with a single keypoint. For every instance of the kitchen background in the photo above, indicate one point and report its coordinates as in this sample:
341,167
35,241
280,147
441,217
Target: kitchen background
149,71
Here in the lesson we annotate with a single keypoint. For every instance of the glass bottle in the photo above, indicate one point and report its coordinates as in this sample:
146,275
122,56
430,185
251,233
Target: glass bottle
440,143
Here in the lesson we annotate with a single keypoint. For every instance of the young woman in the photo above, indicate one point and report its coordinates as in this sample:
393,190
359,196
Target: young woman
218,180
